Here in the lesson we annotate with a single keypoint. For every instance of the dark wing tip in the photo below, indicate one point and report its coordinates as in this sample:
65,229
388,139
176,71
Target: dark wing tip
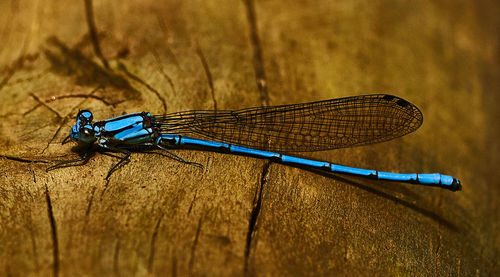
415,116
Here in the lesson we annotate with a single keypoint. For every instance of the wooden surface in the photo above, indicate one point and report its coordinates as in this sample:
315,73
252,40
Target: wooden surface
245,216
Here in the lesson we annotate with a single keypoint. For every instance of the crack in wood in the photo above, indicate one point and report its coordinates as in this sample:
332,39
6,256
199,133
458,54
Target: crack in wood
207,73
258,60
162,70
193,247
67,117
89,13
254,216
192,202
53,228
22,160
55,98
105,188
41,102
91,201
34,179
136,78
64,120
31,228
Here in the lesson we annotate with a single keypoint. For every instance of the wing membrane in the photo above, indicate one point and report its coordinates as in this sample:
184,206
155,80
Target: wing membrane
315,126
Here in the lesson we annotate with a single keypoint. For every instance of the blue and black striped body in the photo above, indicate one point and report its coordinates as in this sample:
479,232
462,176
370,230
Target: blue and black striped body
430,179
126,130
269,131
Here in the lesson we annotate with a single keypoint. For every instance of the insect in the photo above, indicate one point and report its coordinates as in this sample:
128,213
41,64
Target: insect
265,132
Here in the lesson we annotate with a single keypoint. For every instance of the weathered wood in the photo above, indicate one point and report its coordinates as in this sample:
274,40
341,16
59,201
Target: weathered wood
242,215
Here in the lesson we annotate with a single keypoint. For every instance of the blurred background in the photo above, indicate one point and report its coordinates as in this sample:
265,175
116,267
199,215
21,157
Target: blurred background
240,215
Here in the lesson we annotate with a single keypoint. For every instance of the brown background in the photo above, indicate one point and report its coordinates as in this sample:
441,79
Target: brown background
242,215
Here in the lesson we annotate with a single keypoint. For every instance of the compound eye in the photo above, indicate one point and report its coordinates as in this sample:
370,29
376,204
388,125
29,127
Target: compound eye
86,135
84,117
87,132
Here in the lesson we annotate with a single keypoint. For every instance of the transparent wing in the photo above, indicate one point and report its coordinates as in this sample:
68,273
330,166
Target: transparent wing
315,126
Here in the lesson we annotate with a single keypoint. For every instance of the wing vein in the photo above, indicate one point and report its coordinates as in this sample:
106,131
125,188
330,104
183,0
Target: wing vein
315,126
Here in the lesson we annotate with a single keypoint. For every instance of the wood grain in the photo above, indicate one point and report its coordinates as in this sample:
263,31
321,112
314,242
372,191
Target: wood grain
240,215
